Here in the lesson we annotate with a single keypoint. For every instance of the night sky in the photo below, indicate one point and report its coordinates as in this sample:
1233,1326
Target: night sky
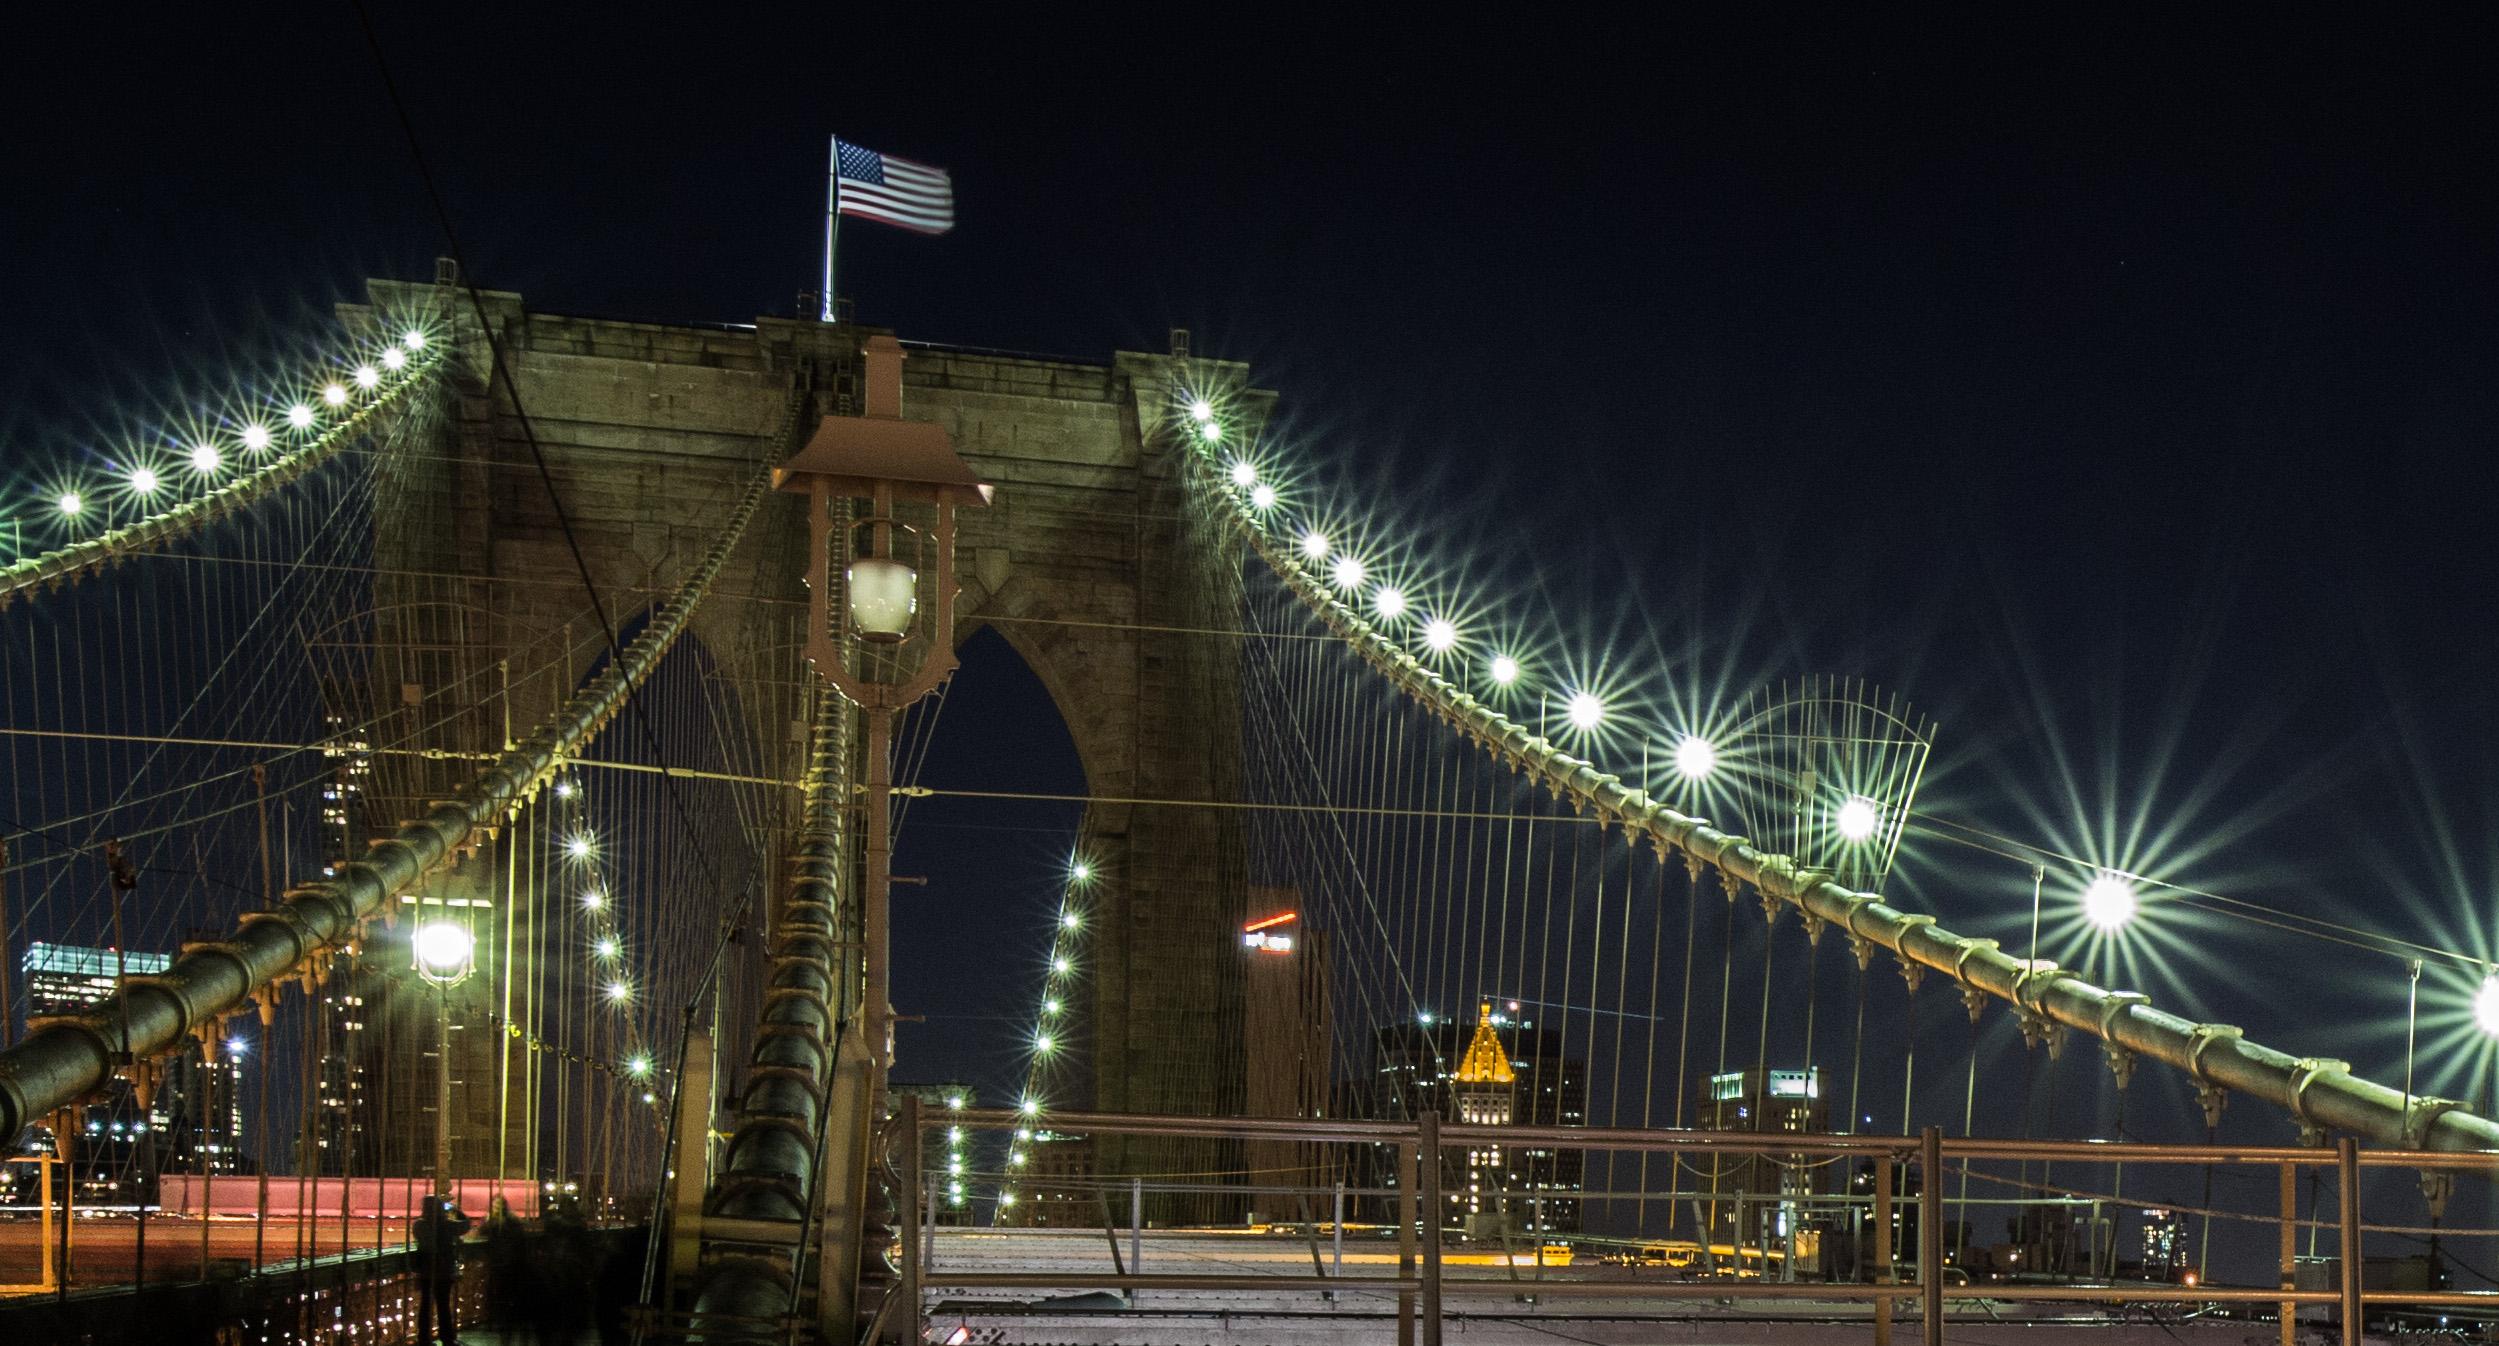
2119,392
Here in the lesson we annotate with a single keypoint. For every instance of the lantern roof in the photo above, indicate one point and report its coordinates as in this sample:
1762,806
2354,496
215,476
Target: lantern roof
858,453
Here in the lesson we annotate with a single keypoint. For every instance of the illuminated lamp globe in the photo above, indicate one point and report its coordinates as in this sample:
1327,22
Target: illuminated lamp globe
335,394
2486,1005
1071,920
71,502
1045,1043
605,948
1389,602
1243,474
394,359
1061,966
367,377
1695,757
1586,711
1080,871
1858,818
205,458
638,1067
1263,496
1030,1107
619,992
2109,902
1211,432
1439,636
1201,411
299,416
884,597
1504,669
1315,545
1347,573
442,949
414,340
255,437
144,481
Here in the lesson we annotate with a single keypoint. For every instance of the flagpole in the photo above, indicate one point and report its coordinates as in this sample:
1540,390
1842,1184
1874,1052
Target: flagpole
832,221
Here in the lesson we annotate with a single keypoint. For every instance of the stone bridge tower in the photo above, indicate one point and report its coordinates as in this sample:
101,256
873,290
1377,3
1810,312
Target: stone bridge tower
1091,564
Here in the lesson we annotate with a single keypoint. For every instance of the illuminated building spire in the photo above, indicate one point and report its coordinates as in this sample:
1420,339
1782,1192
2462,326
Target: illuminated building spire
1485,1061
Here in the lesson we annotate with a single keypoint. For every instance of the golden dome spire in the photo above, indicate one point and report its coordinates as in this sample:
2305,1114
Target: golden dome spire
1485,1062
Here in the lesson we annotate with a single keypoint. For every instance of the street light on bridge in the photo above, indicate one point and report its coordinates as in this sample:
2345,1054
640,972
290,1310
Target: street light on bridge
2486,1005
445,953
860,642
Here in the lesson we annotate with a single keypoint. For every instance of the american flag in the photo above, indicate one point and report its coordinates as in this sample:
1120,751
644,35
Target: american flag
893,191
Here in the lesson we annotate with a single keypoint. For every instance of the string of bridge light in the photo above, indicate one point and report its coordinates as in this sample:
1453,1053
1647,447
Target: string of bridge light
1049,1028
596,909
2110,899
372,376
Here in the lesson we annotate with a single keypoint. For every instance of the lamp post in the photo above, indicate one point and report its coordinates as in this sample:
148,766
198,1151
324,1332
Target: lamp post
862,642
445,955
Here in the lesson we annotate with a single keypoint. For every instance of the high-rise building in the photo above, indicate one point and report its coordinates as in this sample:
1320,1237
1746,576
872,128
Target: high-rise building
1285,1025
1416,1067
1053,1183
1754,1198
74,978
193,1119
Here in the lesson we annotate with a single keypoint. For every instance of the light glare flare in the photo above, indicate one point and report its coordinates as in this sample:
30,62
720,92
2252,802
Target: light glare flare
619,992
1315,545
71,503
1858,818
1586,711
255,437
2486,1005
1347,573
414,340
443,947
1242,473
367,377
299,416
335,394
1201,411
1061,966
205,458
143,480
1504,669
1211,432
1695,757
1262,496
1389,602
394,359
2109,902
1440,635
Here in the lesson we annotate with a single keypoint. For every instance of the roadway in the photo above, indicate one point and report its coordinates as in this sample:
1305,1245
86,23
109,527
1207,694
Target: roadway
1482,1301
104,1249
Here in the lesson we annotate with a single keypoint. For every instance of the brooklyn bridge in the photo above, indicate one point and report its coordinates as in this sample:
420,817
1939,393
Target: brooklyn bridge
468,765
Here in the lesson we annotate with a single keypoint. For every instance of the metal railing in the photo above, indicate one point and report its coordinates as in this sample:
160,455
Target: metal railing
1420,1282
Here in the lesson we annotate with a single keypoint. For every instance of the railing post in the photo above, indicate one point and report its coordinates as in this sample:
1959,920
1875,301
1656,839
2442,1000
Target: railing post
1931,1231
1428,1175
1882,1245
1136,1232
2347,1170
1337,1263
2290,1251
1406,1169
912,1183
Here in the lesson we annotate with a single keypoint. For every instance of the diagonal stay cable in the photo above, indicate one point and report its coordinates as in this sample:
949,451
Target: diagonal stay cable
501,370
